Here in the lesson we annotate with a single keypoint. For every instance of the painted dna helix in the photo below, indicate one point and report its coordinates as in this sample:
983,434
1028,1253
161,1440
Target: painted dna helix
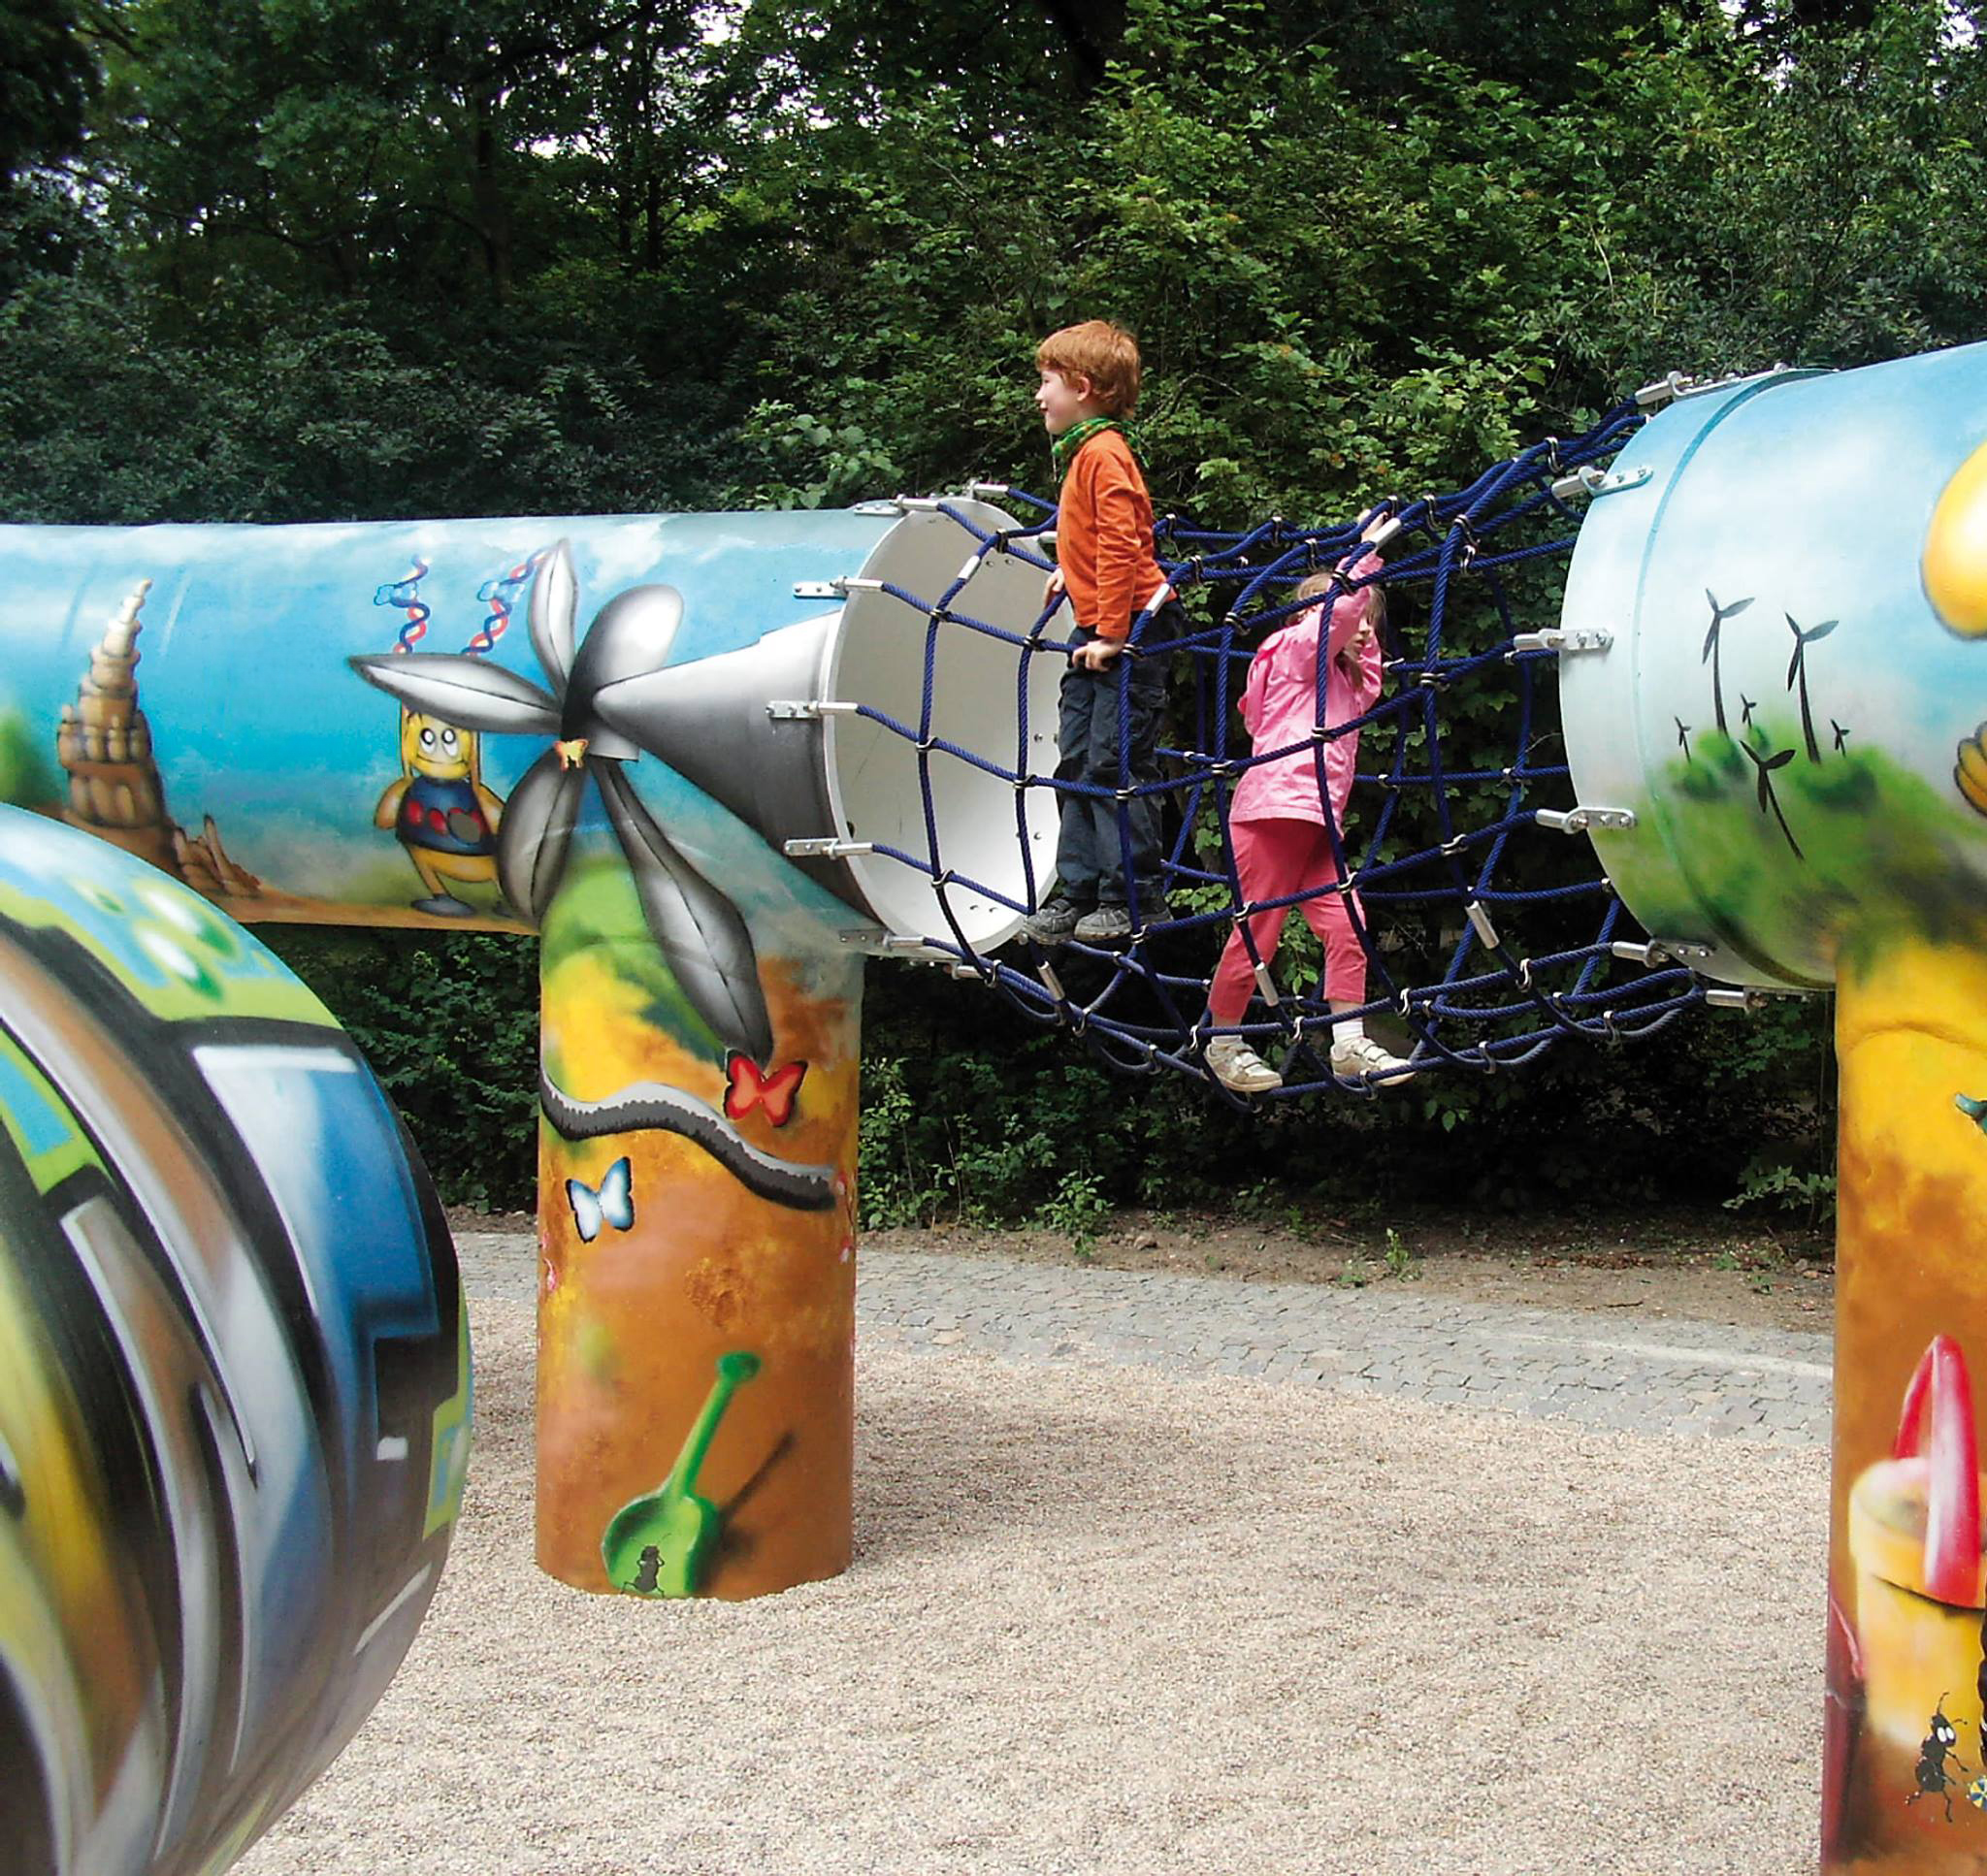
1487,936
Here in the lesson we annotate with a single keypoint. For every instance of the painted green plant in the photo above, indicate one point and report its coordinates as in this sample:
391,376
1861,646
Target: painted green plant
1824,858
28,779
598,912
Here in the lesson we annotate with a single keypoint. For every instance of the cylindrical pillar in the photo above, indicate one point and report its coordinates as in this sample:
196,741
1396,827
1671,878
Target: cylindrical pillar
696,1312
1907,1668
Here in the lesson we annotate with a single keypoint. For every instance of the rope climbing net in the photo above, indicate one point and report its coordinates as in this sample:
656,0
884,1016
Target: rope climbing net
1479,962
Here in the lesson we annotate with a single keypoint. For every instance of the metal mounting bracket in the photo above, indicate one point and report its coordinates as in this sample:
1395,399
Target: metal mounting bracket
1595,482
1678,950
1564,638
803,710
827,847
1577,821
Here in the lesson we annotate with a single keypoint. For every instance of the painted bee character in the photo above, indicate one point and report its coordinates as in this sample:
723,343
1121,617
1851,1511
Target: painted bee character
443,814
1934,1780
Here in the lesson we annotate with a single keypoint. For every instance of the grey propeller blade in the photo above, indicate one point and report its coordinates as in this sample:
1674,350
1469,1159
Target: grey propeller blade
630,636
554,605
471,692
698,930
536,831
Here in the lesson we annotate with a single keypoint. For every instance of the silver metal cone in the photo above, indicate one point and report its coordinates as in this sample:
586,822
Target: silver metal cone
631,634
709,721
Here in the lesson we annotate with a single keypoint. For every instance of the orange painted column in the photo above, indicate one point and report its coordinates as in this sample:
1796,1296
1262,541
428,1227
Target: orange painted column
697,1278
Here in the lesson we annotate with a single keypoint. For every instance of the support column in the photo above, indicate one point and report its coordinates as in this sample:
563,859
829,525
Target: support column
697,1265
1906,1667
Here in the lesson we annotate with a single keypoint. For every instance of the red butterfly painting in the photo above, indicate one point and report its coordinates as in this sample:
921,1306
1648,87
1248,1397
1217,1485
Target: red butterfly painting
748,1087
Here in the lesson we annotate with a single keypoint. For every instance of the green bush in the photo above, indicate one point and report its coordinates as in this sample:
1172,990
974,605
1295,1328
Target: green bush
450,1025
963,1121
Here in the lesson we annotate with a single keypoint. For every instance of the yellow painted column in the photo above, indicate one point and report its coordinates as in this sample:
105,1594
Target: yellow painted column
1907,1670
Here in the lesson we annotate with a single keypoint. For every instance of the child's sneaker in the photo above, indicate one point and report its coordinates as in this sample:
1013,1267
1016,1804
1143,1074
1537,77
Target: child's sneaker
1105,924
1239,1068
1055,922
1360,1058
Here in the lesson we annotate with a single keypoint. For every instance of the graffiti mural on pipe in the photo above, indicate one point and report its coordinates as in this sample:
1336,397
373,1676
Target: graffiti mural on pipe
605,730
233,1373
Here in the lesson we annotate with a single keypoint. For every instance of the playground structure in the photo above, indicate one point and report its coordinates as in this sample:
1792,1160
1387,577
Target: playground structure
782,742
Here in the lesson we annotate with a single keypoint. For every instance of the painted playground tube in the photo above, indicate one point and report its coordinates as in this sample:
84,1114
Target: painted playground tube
1786,720
637,736
234,1374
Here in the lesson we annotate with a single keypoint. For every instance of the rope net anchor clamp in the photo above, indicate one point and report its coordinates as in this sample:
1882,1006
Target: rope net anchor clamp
1659,951
895,944
1563,639
1754,998
989,491
1591,481
1666,389
1677,386
1480,922
1577,821
838,589
809,710
828,847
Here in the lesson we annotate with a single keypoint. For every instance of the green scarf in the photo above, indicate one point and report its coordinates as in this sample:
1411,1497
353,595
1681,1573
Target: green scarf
1064,447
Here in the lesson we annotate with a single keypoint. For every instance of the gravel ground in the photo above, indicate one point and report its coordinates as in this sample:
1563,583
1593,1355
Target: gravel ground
1111,1620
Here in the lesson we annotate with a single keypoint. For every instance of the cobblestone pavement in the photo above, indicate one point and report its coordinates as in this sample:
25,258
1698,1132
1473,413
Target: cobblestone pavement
1688,1380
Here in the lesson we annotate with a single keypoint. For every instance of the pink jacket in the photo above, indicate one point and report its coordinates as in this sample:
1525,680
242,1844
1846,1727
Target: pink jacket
1280,705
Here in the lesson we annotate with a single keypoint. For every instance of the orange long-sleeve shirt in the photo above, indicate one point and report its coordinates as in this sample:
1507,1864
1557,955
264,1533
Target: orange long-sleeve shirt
1104,536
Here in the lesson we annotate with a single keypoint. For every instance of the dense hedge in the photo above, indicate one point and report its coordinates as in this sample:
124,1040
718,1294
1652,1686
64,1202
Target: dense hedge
960,1120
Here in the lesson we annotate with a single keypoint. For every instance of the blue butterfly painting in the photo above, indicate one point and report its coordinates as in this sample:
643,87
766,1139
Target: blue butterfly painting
613,1203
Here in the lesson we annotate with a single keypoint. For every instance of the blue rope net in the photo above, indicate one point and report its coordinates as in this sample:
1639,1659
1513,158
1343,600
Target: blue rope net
1428,844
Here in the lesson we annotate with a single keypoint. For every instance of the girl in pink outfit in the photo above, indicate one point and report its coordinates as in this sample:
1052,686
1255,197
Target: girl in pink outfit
1277,824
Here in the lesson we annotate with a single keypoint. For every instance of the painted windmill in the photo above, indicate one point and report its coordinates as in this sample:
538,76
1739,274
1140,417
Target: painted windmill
1713,648
1797,676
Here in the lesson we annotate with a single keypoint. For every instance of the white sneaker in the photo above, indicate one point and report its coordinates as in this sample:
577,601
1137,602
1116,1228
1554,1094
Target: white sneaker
1360,1058
1239,1068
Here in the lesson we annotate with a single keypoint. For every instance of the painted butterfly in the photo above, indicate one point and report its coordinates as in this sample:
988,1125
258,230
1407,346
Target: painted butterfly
612,1203
747,1087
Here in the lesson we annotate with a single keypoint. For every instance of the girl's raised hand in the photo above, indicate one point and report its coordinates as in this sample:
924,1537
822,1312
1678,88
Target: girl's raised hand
1376,522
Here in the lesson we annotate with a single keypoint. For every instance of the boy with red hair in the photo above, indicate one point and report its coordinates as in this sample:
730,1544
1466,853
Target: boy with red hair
1088,391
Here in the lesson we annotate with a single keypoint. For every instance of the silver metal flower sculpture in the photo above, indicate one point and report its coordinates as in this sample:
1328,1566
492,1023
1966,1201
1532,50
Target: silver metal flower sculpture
701,934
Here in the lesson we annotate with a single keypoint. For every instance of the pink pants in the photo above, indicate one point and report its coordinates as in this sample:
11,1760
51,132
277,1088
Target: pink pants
1274,859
